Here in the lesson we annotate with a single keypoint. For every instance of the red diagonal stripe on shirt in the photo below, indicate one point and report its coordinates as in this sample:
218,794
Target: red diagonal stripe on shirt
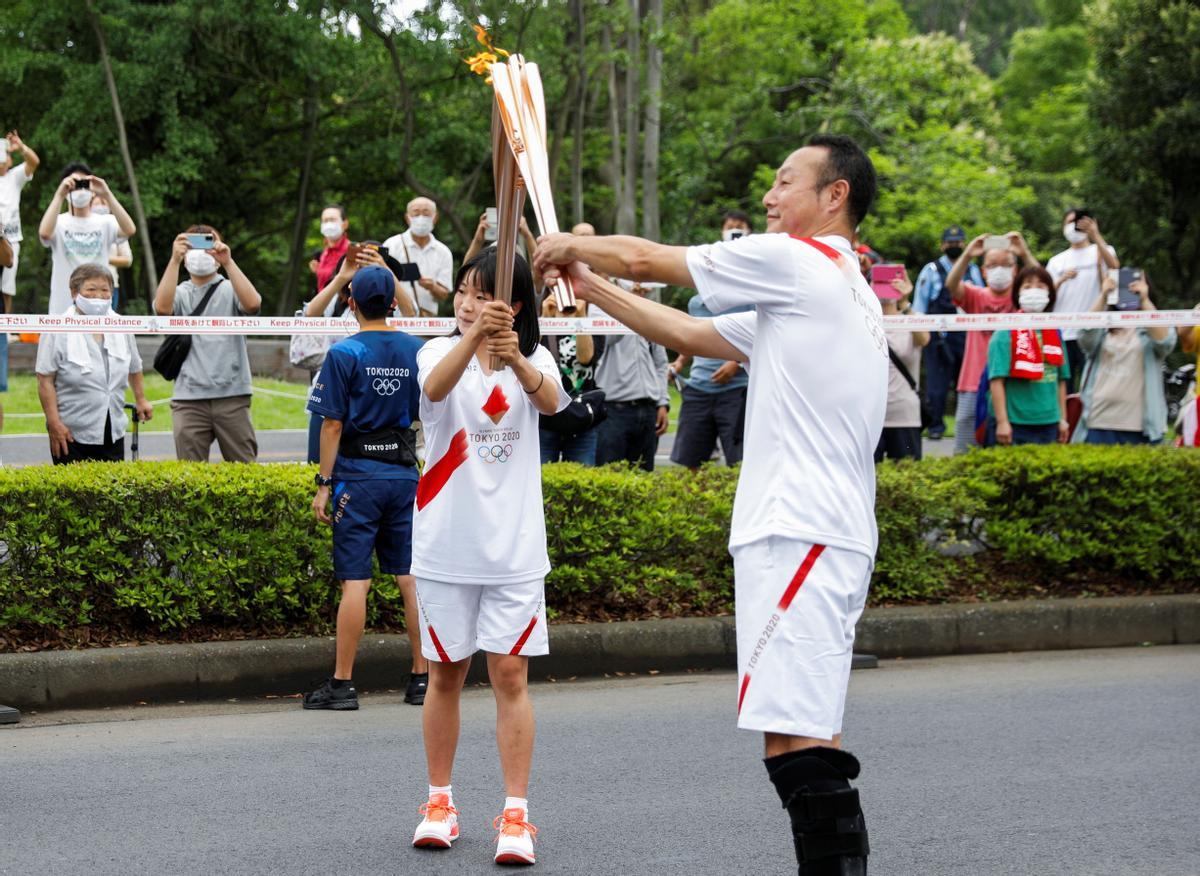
823,248
438,474
437,645
524,637
801,574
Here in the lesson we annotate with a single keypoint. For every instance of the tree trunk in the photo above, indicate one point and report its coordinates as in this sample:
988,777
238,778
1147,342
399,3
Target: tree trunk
627,205
651,226
580,109
614,118
139,213
287,295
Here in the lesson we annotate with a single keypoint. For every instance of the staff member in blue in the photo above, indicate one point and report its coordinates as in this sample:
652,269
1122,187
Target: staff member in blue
367,392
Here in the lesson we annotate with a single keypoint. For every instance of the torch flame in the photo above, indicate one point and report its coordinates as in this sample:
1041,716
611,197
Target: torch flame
481,63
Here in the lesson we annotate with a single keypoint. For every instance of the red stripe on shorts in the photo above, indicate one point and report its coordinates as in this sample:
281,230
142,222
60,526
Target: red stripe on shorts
438,474
742,693
524,637
801,574
445,658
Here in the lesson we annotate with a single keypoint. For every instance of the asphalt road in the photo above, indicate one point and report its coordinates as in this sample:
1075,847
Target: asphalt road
1046,763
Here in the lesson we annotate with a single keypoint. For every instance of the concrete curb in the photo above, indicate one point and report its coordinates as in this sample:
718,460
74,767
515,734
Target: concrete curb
217,670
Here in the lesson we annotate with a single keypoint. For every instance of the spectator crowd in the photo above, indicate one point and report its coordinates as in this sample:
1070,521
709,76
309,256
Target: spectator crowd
1099,386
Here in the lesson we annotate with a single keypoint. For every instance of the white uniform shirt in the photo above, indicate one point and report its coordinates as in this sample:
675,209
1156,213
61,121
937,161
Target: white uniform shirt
433,259
78,241
479,516
86,399
818,386
1080,292
10,201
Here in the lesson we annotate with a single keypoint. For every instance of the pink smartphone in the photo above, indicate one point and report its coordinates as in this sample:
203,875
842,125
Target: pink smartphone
881,280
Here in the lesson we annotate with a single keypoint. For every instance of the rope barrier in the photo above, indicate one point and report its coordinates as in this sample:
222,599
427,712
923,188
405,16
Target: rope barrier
274,326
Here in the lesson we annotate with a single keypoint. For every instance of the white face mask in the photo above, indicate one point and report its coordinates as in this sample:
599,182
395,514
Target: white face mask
733,233
199,263
331,230
92,306
100,210
1073,237
1033,300
80,198
999,277
420,225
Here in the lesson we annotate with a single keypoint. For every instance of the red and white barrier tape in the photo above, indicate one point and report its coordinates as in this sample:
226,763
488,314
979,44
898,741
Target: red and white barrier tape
300,325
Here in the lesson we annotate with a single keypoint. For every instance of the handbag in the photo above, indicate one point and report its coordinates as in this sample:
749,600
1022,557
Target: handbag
169,359
928,416
308,351
587,409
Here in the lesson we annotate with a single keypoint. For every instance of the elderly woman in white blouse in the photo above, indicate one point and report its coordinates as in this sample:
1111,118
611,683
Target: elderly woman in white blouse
82,378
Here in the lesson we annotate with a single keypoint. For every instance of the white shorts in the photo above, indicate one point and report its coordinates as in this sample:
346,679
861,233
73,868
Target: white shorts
8,276
459,619
797,604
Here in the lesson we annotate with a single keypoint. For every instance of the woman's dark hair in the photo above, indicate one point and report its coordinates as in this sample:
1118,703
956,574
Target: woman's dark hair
204,229
1029,273
525,323
75,167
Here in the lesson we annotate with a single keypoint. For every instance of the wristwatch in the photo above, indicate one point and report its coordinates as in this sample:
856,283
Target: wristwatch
322,481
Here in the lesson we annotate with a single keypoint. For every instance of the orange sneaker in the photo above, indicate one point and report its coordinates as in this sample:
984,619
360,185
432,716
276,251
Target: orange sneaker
440,826
514,842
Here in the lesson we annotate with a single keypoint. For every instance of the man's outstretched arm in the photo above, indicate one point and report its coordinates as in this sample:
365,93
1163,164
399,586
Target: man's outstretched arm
663,325
630,258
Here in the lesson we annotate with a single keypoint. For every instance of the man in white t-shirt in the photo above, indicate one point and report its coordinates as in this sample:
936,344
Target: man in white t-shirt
79,237
12,180
418,244
803,536
1078,272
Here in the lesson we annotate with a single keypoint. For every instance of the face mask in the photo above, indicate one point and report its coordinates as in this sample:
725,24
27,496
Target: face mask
92,306
733,233
80,198
420,225
999,277
199,263
1033,300
954,251
101,210
331,230
1073,237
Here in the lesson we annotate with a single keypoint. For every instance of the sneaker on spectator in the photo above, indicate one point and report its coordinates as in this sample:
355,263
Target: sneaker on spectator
514,842
439,828
341,699
418,683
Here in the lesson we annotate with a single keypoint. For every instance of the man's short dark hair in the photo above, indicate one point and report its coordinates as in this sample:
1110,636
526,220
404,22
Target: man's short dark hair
847,161
75,167
737,216
341,210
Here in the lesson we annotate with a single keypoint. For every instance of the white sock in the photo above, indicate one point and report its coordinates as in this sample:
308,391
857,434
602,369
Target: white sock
435,789
517,803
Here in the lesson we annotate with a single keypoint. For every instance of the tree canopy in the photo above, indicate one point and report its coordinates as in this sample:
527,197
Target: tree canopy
251,115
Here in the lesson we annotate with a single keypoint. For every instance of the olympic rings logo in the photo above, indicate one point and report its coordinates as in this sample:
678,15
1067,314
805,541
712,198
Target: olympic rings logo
494,453
385,386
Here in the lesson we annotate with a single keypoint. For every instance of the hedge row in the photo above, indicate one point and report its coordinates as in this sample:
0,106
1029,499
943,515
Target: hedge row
175,550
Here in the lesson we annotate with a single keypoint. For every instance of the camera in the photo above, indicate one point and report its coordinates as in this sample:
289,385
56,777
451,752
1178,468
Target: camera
83,184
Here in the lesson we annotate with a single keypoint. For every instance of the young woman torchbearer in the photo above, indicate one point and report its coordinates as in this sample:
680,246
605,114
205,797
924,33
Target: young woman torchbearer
479,536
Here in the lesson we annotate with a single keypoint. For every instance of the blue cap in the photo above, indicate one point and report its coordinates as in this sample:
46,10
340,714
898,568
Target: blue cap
372,282
954,234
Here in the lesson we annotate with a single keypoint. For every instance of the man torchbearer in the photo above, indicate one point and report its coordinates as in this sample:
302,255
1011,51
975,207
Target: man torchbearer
803,536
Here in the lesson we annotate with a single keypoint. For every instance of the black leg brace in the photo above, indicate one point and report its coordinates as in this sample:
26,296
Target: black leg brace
827,821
